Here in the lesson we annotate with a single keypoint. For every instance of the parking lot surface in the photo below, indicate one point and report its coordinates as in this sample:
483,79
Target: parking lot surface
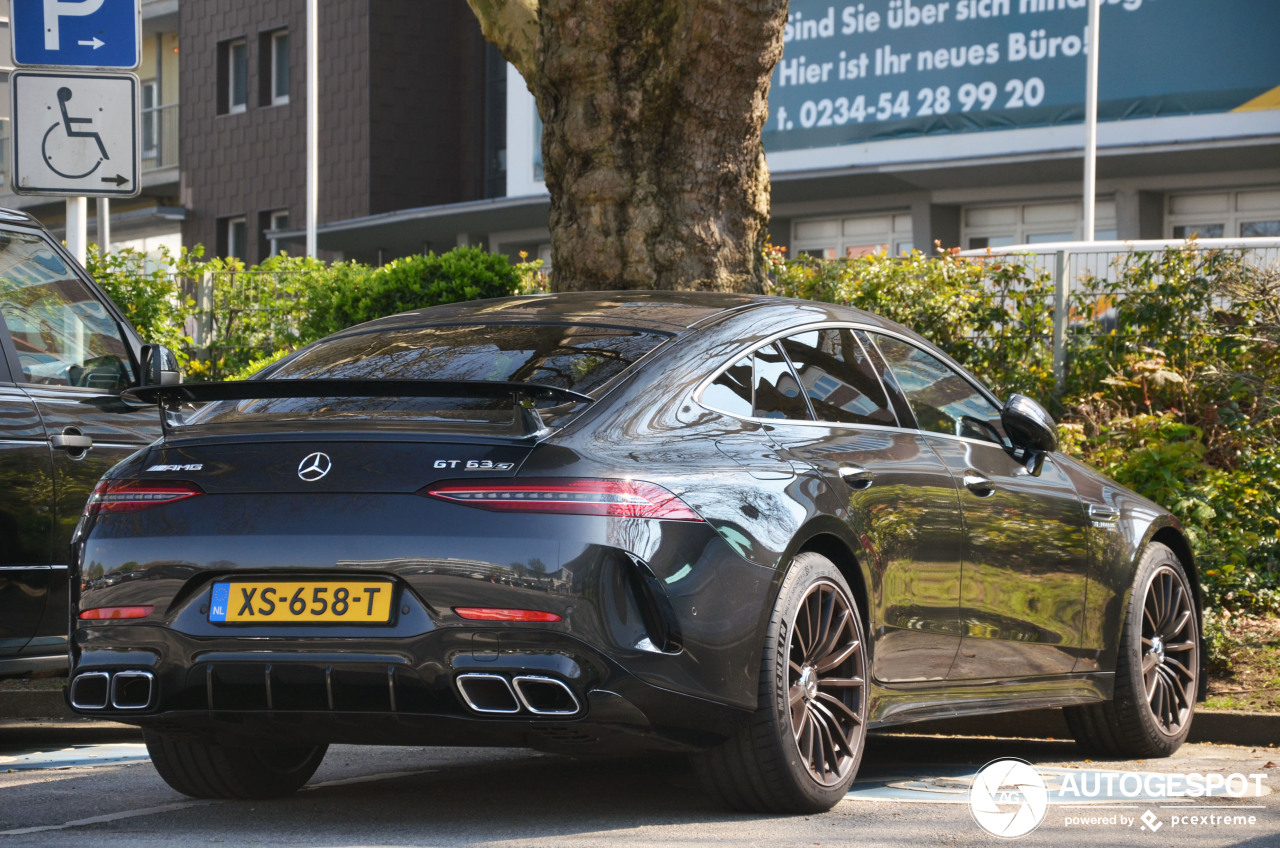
95,787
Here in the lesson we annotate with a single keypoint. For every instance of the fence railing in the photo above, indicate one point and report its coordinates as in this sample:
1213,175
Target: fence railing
160,137
1072,263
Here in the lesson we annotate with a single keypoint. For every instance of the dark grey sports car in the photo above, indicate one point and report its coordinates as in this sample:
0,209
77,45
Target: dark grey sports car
747,528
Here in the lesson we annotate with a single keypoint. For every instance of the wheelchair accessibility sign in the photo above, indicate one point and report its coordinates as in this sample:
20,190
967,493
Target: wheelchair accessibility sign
75,134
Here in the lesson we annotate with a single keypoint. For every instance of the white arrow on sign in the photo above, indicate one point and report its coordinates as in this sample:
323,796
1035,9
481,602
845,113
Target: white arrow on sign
55,10
95,43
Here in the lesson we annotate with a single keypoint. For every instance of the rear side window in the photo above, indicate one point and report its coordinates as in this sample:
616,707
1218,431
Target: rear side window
576,357
777,391
839,378
731,391
941,399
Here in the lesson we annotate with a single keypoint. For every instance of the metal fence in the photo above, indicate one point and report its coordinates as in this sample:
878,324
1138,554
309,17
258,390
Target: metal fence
1076,265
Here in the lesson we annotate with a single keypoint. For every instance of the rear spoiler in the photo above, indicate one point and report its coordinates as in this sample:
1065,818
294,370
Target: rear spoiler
522,395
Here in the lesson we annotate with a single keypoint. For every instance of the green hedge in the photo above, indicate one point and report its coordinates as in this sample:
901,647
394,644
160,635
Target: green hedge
1172,385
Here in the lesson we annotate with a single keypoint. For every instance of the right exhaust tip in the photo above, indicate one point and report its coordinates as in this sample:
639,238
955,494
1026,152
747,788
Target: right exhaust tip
546,696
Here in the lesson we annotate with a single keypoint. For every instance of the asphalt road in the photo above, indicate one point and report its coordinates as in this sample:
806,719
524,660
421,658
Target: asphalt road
107,794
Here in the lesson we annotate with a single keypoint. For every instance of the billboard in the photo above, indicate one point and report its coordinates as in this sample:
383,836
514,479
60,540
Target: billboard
870,70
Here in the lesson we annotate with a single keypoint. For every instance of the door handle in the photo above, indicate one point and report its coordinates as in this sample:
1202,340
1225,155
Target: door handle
71,440
856,476
979,485
1103,514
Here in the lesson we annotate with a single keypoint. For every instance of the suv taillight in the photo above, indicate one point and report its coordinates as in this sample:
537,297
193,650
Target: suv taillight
614,498
133,495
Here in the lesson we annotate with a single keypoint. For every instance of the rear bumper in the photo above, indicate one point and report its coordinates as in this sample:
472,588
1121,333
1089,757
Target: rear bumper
364,693
660,632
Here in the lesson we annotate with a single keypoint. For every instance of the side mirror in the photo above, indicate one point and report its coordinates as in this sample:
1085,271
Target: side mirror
1029,425
159,366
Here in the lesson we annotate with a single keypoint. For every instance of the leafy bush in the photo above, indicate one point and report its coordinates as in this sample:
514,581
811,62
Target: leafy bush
1171,386
357,295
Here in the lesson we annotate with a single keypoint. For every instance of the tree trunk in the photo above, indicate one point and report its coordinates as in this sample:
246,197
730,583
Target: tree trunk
652,111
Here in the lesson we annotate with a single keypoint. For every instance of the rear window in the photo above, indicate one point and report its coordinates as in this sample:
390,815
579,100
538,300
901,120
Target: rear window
573,357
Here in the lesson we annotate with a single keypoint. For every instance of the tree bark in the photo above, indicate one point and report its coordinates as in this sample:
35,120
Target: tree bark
652,112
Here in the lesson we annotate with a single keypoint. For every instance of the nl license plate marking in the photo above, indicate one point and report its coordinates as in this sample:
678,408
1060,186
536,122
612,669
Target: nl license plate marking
301,602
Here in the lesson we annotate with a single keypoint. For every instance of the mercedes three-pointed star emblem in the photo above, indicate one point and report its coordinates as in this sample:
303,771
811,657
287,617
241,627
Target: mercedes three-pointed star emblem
314,466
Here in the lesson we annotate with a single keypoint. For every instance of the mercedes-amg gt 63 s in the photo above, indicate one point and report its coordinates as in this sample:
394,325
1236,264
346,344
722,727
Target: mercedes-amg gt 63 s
747,528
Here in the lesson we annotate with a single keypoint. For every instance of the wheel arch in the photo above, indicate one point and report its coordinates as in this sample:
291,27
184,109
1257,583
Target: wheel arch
831,543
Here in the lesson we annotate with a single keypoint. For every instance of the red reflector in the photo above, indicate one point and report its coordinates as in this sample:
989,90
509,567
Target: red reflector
490,614
615,498
104,613
133,495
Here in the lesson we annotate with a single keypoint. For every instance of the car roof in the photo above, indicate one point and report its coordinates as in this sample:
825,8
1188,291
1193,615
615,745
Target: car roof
665,311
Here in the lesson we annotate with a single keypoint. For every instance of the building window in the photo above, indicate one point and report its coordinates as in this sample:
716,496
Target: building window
233,236
1224,214
273,67
1034,223
862,235
274,222
150,121
233,76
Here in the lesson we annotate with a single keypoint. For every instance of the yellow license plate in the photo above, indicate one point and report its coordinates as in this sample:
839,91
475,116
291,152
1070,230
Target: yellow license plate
301,602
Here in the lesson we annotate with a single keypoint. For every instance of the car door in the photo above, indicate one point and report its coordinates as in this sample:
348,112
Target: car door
70,355
26,518
826,406
1025,549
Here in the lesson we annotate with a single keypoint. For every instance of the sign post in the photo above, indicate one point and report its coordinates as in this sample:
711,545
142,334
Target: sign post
75,131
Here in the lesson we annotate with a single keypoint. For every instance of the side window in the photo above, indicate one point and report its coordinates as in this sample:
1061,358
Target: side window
777,391
941,399
839,378
731,391
62,334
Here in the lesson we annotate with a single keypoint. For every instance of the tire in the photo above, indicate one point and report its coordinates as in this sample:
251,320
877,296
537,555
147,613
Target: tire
1157,669
801,749
204,770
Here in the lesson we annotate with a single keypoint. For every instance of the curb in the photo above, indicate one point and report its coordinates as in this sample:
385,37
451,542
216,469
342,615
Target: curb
1219,727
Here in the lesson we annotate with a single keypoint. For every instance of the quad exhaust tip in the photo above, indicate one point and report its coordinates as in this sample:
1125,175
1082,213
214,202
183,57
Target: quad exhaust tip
546,696
488,693
123,690
494,694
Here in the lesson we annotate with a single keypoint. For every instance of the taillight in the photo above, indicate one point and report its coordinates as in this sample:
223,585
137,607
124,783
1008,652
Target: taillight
614,498
133,495
492,614
109,613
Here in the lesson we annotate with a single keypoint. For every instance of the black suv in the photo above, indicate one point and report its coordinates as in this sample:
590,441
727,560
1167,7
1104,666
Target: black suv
66,353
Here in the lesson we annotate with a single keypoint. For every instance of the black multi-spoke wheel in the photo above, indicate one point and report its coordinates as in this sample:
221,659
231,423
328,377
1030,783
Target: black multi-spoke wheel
825,682
1157,669
800,751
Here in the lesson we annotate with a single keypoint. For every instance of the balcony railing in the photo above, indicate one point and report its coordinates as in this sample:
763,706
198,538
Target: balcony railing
160,137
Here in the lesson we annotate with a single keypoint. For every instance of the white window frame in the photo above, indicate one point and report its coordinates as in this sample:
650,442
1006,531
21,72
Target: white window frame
853,235
233,67
239,251
278,99
277,220
1021,227
1237,209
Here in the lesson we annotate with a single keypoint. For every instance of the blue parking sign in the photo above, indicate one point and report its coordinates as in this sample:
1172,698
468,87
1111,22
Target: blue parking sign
105,34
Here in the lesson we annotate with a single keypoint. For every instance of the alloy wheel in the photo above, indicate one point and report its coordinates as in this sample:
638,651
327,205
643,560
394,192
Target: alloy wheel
826,689
1169,658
